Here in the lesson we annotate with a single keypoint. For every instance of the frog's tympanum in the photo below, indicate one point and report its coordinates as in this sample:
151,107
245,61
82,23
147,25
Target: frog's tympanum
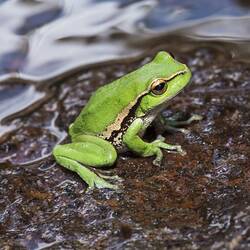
116,117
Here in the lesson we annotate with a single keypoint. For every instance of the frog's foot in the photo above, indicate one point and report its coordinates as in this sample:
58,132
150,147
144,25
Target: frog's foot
156,146
111,177
91,178
159,142
174,129
191,119
86,154
171,124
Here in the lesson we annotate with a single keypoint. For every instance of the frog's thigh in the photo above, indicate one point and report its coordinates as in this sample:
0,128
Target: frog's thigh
89,153
77,155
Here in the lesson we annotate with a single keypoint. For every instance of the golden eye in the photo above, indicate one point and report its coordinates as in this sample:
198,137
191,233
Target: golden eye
159,86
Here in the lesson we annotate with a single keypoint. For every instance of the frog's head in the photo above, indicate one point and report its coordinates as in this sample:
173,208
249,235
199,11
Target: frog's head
167,78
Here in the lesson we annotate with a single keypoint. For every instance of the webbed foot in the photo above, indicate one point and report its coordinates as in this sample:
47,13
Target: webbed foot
159,144
171,124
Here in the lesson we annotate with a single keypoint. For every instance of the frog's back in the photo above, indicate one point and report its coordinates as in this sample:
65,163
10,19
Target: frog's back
110,104
103,108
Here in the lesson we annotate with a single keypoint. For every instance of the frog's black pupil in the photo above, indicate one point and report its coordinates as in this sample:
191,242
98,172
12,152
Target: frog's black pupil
160,87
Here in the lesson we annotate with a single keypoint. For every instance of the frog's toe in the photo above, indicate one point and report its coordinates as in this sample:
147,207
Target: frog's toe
156,162
111,177
160,138
184,131
101,183
195,118
180,150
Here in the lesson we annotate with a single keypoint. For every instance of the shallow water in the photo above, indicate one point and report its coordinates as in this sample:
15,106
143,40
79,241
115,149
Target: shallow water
44,38
54,54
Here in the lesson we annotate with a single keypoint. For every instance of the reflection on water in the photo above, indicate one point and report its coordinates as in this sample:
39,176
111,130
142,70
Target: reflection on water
173,12
45,38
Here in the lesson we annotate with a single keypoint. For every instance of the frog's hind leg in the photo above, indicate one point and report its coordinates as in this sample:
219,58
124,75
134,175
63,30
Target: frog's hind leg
91,178
85,152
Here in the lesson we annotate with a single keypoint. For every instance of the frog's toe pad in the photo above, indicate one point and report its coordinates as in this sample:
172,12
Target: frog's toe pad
111,177
182,152
160,138
156,163
100,183
196,118
184,131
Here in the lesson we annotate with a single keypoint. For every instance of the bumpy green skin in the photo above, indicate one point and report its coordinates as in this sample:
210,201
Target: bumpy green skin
106,112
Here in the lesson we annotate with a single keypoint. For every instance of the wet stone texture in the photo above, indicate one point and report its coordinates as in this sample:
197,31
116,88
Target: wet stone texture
197,201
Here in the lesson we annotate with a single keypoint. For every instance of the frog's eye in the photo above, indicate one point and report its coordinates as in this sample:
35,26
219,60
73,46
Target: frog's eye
159,86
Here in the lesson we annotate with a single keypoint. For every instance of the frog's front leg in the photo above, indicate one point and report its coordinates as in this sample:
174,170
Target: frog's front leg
171,124
87,151
133,141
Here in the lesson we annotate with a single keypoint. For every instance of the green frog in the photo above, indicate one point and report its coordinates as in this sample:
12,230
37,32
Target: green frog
116,117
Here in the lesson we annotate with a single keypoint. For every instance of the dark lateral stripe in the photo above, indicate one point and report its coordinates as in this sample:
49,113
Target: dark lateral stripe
127,120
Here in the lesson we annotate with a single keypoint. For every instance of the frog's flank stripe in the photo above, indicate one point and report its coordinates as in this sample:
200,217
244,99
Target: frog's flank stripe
117,124
116,135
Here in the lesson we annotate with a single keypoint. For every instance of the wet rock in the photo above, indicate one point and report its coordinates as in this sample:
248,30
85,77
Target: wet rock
197,201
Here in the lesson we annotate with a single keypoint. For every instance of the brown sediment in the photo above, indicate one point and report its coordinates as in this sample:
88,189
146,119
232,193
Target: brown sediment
197,201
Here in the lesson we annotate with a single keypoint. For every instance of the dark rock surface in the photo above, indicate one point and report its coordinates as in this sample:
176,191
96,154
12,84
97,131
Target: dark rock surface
197,201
